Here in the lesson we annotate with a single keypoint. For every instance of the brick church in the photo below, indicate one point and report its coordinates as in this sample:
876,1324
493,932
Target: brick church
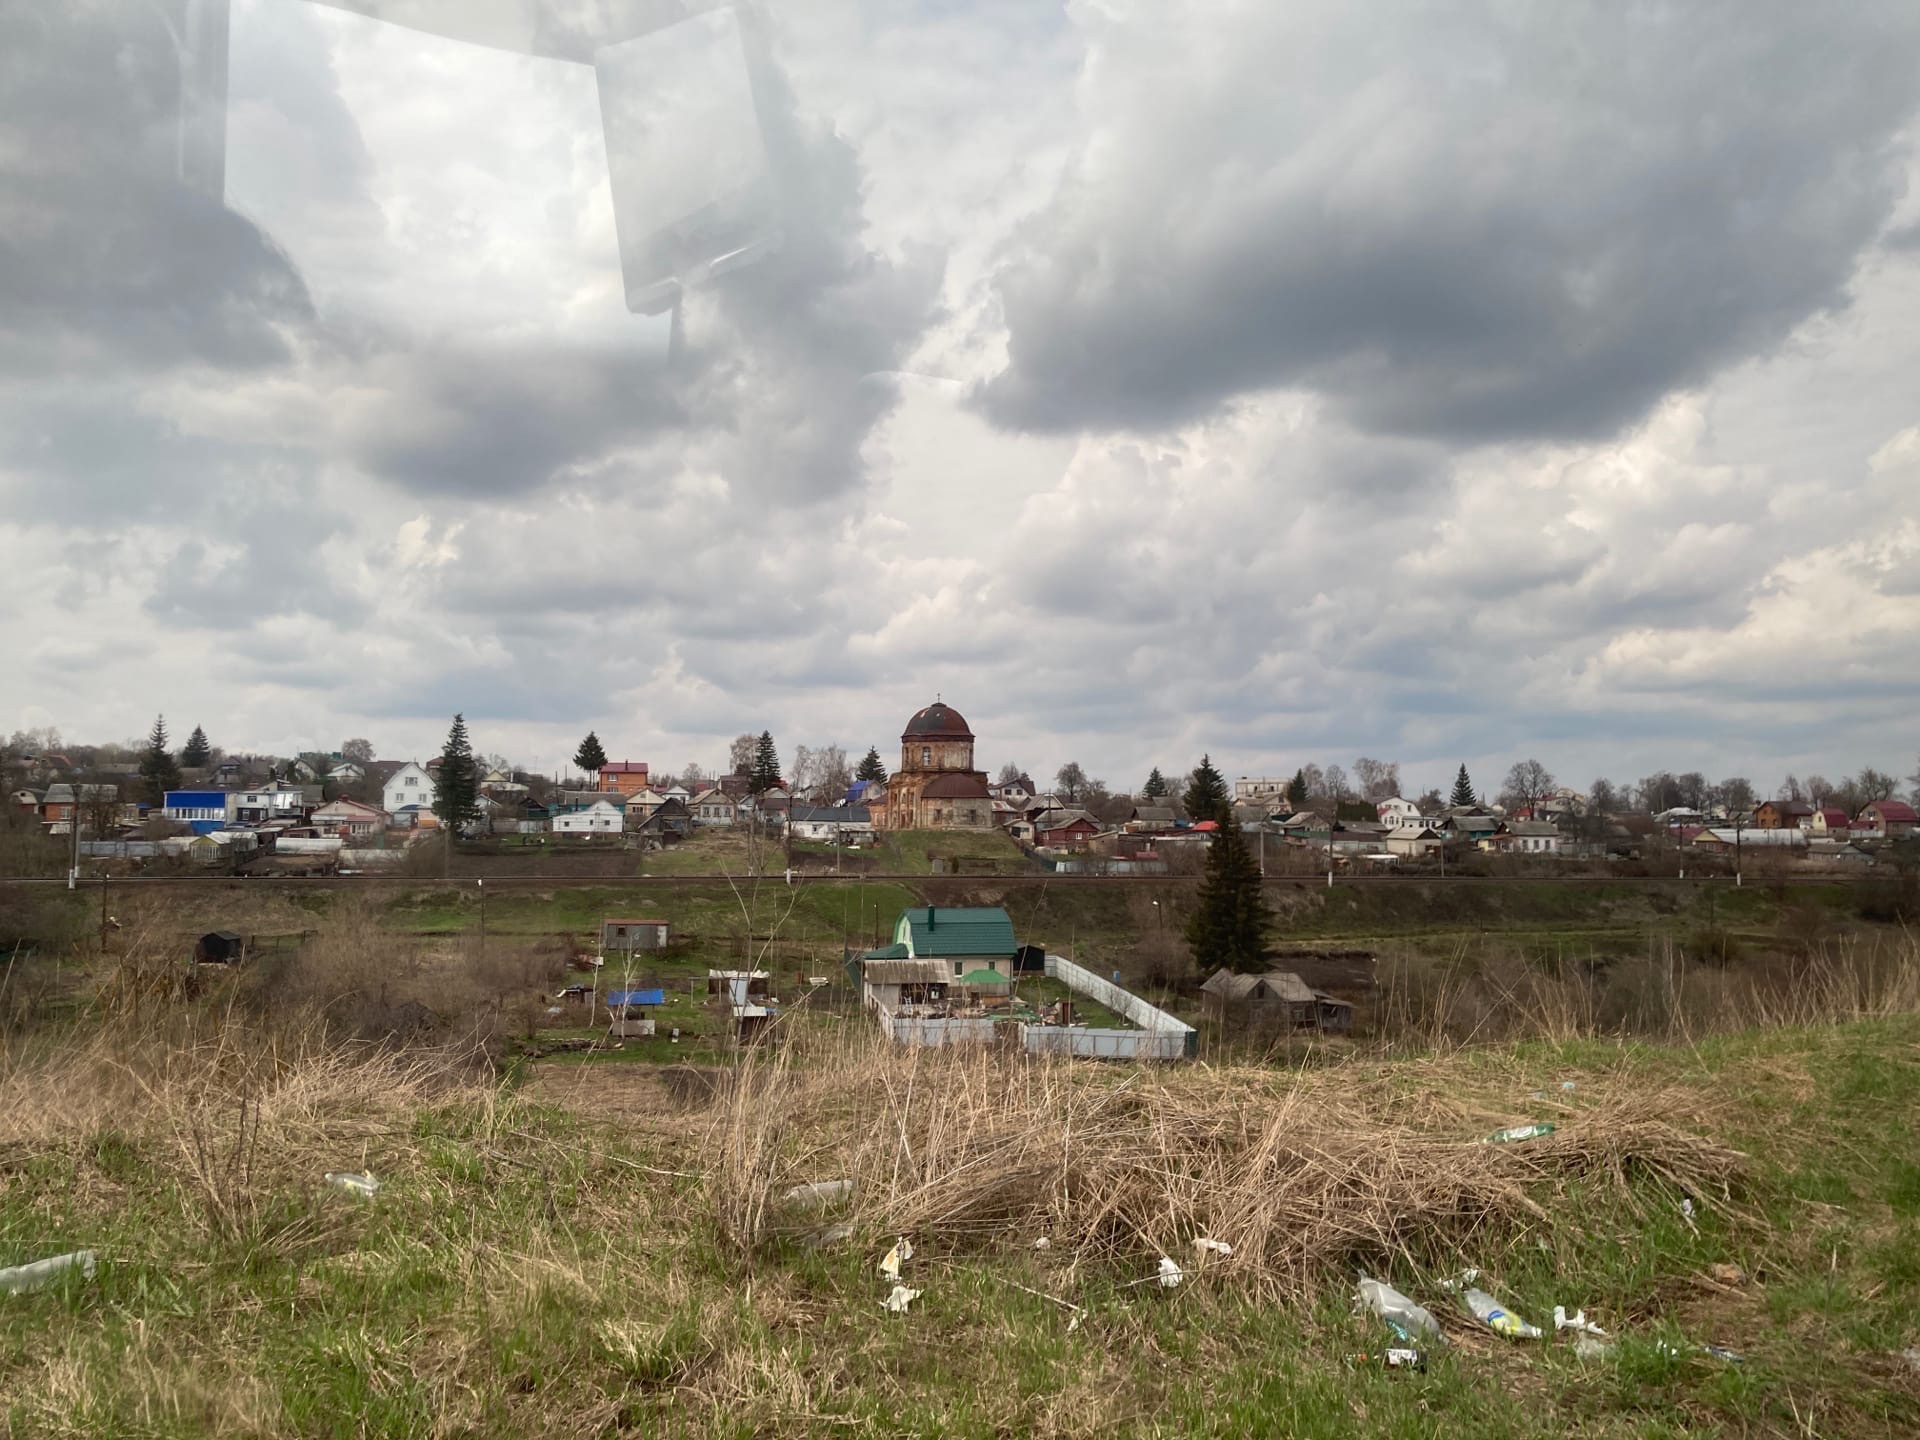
936,786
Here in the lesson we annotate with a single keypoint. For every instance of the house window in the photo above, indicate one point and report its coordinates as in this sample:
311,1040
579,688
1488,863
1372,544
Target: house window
926,754
959,967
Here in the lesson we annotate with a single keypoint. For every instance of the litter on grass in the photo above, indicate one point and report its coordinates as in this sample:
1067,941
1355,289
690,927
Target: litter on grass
1519,1132
354,1182
1170,1273
820,1194
1576,1321
831,1235
23,1279
1497,1318
1409,1321
1042,1243
1686,1214
901,1297
901,1252
1217,1247
1588,1348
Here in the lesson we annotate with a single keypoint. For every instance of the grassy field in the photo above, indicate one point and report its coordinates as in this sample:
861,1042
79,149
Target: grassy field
584,1254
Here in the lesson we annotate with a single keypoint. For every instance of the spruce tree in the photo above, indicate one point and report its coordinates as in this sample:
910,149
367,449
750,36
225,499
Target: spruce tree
766,764
156,764
1297,789
456,789
1206,796
1227,926
1462,789
871,769
197,751
590,755
1156,786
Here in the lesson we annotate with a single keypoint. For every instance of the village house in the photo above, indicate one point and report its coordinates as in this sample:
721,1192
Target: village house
1065,829
346,773
350,818
1015,792
1261,789
602,817
1889,820
835,824
1782,815
202,811
281,800
670,819
625,936
963,938
1396,813
714,807
625,777
408,786
1150,819
1831,821
1529,837
1415,842
1277,997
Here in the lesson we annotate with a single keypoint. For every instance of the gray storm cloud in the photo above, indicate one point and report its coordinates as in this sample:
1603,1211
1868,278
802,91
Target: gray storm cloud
1465,221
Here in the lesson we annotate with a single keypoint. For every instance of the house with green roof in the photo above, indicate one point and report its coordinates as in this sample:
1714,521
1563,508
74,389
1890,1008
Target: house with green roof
964,938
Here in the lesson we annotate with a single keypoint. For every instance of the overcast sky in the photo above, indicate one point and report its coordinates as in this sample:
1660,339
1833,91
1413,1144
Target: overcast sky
1439,382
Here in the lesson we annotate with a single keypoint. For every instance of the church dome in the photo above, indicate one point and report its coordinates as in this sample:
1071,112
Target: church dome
937,722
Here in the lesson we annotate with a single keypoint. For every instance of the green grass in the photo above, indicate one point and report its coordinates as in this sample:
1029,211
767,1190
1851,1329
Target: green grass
528,1269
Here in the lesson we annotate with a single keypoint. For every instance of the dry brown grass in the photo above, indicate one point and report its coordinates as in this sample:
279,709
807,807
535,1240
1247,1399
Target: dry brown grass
1299,1173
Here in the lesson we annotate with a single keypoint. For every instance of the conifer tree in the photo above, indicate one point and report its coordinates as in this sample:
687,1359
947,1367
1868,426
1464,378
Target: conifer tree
456,789
1206,797
1297,789
156,764
1227,925
766,764
197,751
1462,789
1156,786
590,756
871,768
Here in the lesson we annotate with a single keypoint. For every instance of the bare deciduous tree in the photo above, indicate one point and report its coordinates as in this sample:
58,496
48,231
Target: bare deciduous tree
740,754
1378,779
1528,781
1071,780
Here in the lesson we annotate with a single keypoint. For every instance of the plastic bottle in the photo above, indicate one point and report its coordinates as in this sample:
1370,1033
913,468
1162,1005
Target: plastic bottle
21,1279
1497,1318
1519,1132
1410,1322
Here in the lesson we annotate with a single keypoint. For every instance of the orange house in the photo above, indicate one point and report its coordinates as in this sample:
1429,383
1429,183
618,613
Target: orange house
628,777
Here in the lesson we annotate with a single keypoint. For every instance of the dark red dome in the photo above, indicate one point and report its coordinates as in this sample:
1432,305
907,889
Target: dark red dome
939,722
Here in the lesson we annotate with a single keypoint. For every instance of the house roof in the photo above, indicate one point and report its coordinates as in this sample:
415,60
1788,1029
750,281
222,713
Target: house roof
1893,812
831,815
618,998
886,952
960,930
1282,984
957,785
1836,818
1789,807
624,767
1153,812
644,920
938,721
1064,820
905,972
984,976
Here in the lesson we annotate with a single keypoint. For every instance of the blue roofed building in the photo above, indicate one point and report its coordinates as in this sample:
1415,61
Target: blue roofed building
203,810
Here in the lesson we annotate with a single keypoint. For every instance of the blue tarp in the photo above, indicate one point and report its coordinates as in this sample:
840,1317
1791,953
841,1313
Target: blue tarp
618,998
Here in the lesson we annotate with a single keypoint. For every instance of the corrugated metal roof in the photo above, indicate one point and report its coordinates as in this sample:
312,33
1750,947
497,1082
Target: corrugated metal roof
904,972
964,930
1281,984
617,998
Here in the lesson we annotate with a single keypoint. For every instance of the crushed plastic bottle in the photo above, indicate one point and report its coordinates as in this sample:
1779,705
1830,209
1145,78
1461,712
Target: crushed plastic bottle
1588,1348
23,1279
1520,1132
1216,1247
354,1182
1409,1321
1397,1358
1497,1318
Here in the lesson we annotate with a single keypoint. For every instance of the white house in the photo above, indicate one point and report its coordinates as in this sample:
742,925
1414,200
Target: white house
1397,813
1259,789
837,824
349,817
600,818
1415,842
346,772
1534,837
409,785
